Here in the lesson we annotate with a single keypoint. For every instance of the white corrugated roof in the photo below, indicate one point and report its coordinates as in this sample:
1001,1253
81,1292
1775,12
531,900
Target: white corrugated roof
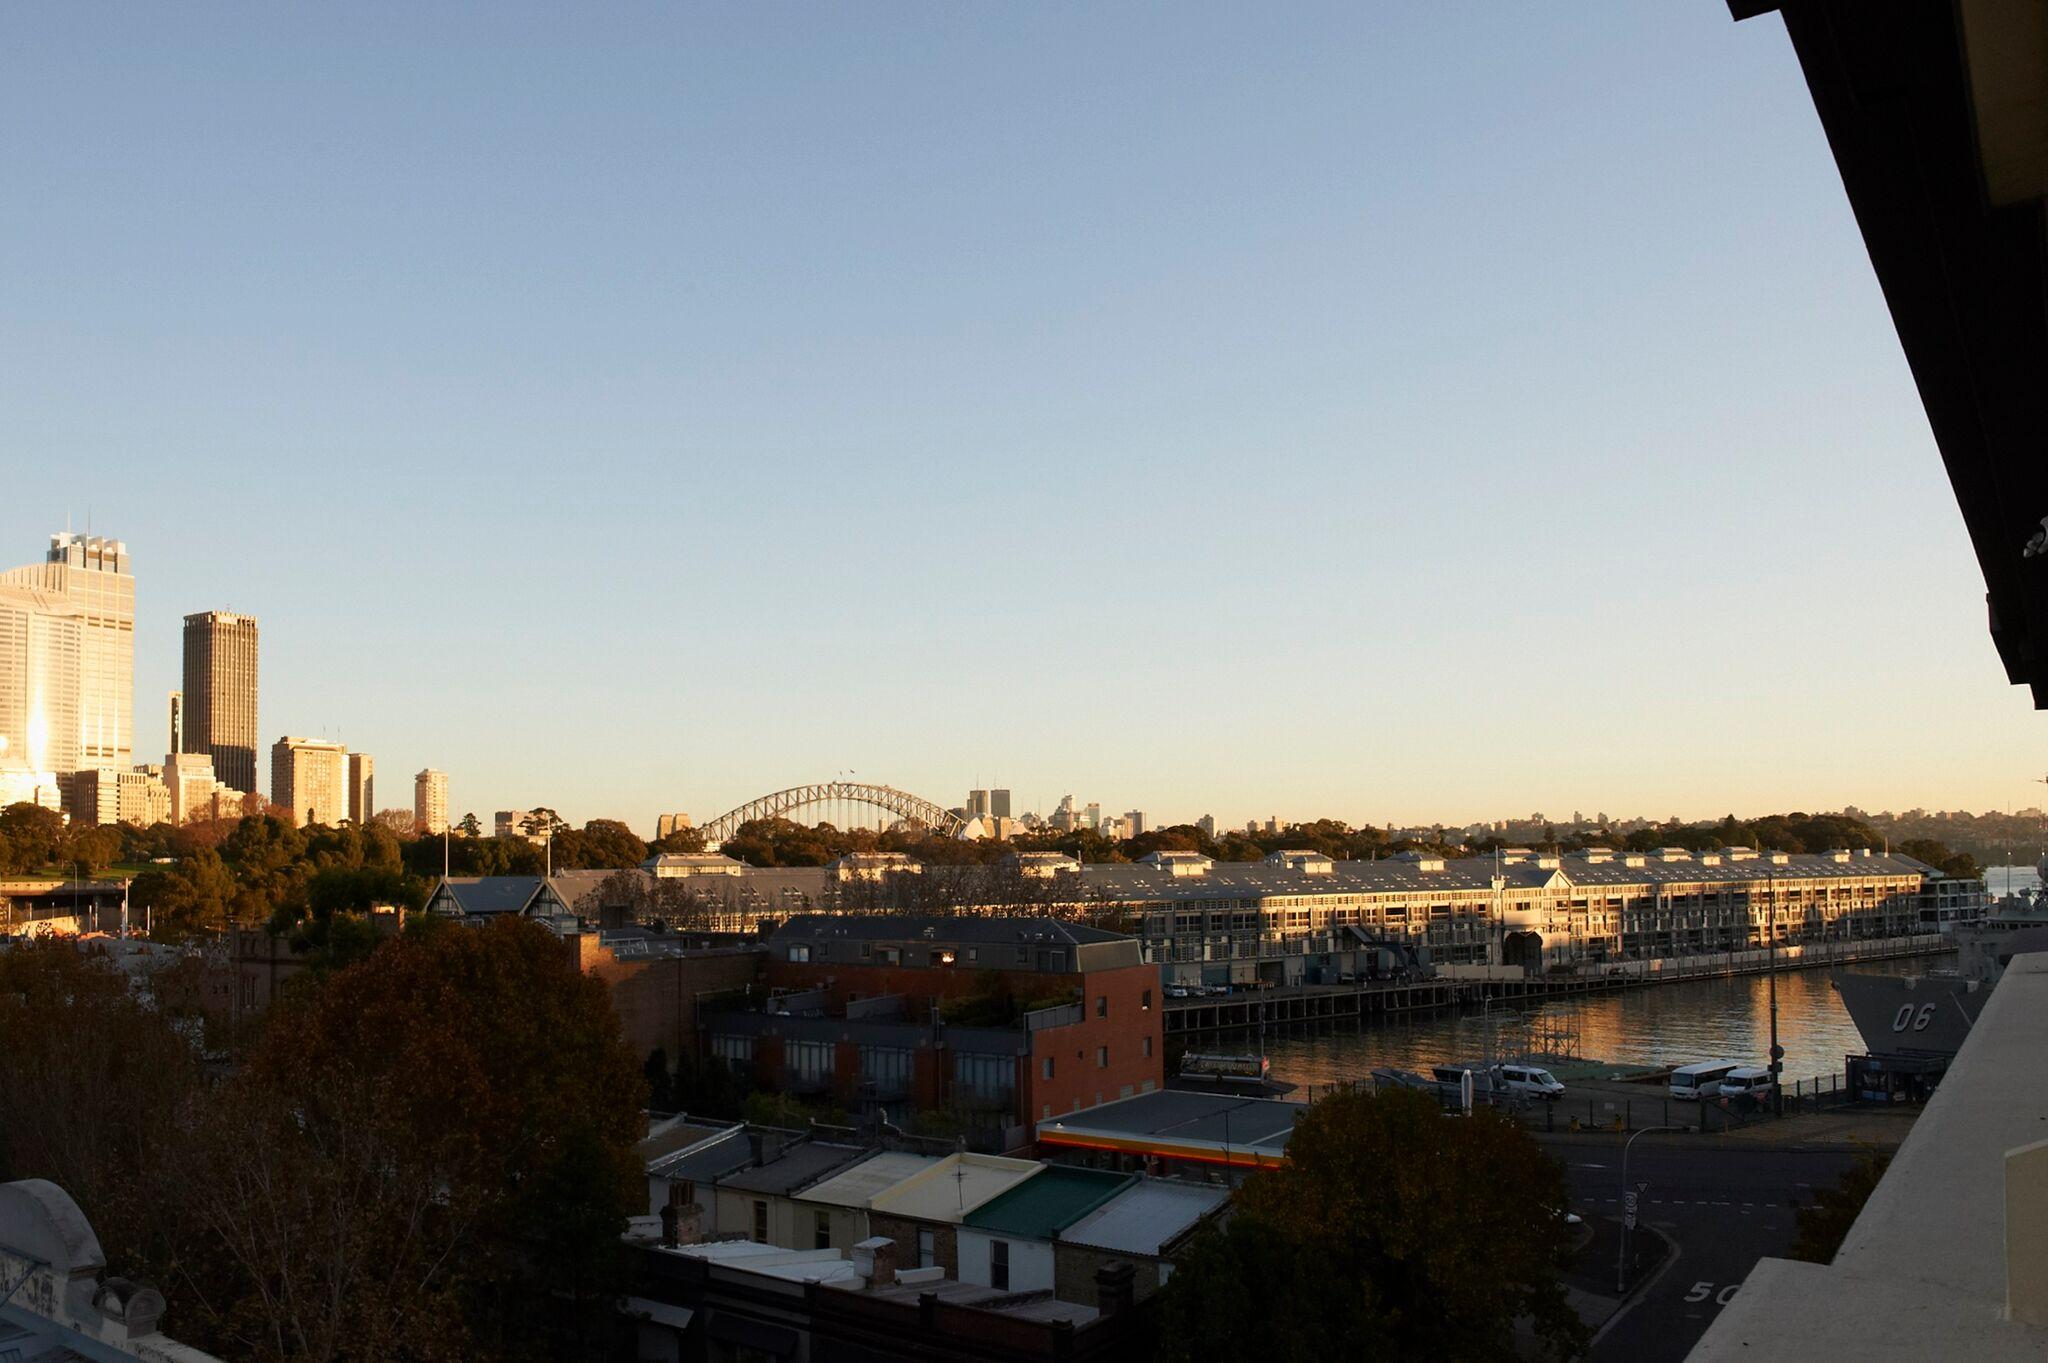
1148,1214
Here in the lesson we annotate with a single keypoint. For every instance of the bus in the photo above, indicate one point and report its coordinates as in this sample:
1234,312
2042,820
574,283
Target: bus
1224,1069
1701,1080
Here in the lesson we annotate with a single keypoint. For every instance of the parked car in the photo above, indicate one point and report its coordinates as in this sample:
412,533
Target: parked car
1751,1081
1532,1080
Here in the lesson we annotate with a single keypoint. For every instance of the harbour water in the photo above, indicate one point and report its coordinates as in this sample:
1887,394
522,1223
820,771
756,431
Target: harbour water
1661,1025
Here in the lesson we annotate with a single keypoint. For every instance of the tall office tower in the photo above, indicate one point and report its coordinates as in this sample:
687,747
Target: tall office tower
1134,819
430,801
1091,815
91,574
999,804
1207,824
41,645
177,723
309,777
362,787
220,694
977,804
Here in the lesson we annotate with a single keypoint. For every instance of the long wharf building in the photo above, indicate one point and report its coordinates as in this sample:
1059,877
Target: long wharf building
1276,918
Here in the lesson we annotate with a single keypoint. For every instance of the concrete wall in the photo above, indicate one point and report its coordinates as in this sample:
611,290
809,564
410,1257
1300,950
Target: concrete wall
1074,1268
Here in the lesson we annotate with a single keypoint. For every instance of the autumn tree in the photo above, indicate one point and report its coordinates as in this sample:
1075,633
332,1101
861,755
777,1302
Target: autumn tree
1394,1231
1823,1225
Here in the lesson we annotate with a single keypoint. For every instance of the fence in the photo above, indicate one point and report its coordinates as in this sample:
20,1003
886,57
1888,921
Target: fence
1817,1094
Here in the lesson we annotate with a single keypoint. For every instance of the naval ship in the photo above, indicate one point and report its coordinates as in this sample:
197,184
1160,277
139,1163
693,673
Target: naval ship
1931,1015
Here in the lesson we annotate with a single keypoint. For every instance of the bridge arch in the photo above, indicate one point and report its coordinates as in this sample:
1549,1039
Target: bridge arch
783,803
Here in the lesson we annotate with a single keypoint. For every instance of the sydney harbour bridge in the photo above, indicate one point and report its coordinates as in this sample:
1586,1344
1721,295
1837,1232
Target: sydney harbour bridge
840,803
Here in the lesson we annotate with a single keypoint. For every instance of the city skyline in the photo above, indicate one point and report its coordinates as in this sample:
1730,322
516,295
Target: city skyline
1455,510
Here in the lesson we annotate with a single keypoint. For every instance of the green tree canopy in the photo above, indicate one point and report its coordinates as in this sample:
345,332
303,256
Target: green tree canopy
1393,1232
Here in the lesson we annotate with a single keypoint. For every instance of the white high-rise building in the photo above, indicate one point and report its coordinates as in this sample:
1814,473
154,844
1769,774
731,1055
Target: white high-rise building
41,652
430,801
309,777
362,789
91,574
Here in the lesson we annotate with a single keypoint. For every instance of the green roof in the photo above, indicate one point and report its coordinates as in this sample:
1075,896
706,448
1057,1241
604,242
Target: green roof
1044,1206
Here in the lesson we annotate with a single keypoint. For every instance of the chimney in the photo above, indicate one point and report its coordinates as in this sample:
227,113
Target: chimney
757,1147
875,1260
1114,1288
668,1225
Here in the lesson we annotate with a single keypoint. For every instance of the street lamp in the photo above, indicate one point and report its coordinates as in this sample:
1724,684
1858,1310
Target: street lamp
1777,1051
1628,1214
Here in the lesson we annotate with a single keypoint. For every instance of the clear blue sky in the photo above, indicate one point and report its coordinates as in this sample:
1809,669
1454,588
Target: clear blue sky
1428,413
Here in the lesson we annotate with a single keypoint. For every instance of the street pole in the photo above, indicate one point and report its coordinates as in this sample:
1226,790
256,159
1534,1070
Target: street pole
1621,1260
1777,1051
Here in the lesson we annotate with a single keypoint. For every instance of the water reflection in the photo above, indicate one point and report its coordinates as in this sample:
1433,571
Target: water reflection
1663,1025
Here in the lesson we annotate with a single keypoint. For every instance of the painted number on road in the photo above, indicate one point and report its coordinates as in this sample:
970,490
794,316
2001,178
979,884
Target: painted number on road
1916,1018
1702,1291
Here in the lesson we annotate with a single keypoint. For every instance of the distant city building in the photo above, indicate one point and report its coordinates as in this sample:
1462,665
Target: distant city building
1064,819
1091,815
91,575
309,777
101,796
999,804
1207,825
189,786
362,785
177,718
1135,820
430,801
668,824
977,804
220,694
41,650
521,823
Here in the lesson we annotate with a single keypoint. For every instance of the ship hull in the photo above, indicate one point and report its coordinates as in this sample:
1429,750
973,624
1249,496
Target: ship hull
1911,1015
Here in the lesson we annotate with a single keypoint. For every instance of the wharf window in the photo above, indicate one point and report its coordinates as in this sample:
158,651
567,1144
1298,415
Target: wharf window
892,955
1102,1057
927,1249
1146,1002
1102,1005
822,1234
761,1222
999,1264
1023,955
973,955
867,951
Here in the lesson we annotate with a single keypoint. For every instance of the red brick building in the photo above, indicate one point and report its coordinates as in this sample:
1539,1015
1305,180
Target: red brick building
1017,1019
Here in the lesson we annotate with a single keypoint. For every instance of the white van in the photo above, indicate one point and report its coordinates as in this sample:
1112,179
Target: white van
1701,1080
1532,1080
1753,1080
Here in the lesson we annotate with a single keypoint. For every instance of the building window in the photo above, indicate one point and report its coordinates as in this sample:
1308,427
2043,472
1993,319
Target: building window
761,1222
1045,1068
973,955
886,1067
892,955
736,1051
1146,1002
927,1249
987,1078
1102,1057
799,951
823,1233
867,951
1148,1048
999,1264
1102,1005
808,1060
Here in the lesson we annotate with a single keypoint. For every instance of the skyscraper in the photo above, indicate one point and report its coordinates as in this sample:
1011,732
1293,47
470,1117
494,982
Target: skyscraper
999,804
41,639
91,575
430,801
177,724
220,694
362,802
309,777
977,804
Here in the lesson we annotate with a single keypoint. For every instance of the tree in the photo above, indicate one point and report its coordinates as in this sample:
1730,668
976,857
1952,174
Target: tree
1825,1224
196,895
469,827
1394,1231
30,836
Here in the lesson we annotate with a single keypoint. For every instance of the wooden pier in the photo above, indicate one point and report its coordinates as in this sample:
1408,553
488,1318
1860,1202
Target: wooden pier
1254,1007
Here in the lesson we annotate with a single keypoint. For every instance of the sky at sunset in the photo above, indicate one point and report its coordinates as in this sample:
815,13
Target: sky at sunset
1410,414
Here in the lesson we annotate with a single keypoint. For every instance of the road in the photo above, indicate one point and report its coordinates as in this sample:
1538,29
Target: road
1725,1207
